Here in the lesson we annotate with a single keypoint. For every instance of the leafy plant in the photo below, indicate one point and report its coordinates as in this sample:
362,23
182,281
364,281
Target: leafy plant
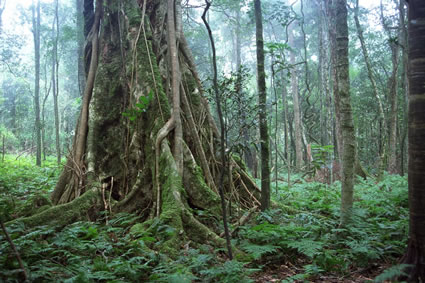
140,107
392,272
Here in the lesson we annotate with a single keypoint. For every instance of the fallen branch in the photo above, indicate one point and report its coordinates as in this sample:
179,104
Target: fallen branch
15,251
243,220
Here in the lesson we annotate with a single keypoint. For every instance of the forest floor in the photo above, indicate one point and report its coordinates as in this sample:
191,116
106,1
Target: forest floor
299,240
279,273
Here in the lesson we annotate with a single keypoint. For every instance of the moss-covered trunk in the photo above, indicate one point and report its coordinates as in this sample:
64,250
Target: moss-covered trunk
131,103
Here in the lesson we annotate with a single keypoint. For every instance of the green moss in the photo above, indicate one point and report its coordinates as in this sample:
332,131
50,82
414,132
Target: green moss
64,214
198,191
171,204
34,205
239,161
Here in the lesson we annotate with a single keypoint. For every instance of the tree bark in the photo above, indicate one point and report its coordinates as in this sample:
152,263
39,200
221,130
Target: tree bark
299,157
80,41
71,183
36,34
415,254
55,82
393,97
262,105
224,163
347,126
175,85
130,158
374,88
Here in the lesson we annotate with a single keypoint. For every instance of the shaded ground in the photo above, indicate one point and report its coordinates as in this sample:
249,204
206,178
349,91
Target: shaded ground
288,271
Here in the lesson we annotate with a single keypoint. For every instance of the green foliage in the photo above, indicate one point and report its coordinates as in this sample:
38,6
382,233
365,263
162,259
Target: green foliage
24,187
321,155
307,225
392,272
140,107
305,228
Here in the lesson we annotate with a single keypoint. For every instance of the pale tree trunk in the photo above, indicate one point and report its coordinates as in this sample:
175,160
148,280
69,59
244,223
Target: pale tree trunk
337,133
80,41
36,34
322,77
248,155
224,163
393,97
262,105
347,126
415,255
299,158
2,6
287,153
376,95
55,81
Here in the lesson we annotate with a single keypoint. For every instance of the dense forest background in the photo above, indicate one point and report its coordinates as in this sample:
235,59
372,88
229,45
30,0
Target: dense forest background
276,131
300,105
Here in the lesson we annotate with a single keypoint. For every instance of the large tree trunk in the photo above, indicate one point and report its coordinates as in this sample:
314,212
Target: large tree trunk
416,246
128,155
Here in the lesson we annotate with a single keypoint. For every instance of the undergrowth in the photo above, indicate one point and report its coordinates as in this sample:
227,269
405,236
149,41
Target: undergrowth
303,229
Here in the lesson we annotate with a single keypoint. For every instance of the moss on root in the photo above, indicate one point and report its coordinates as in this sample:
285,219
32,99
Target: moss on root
171,201
86,206
36,204
200,194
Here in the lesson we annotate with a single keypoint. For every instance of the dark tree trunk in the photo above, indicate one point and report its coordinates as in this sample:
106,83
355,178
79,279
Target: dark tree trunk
262,105
416,246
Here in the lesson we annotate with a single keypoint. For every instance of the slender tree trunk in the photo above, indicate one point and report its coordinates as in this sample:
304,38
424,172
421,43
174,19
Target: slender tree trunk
405,84
299,158
415,255
43,111
393,97
175,86
347,126
374,88
36,35
2,6
337,133
246,137
224,163
55,82
80,41
71,182
322,78
262,105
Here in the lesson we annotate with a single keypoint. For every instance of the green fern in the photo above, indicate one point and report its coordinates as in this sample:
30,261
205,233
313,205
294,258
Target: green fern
307,247
392,272
257,251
